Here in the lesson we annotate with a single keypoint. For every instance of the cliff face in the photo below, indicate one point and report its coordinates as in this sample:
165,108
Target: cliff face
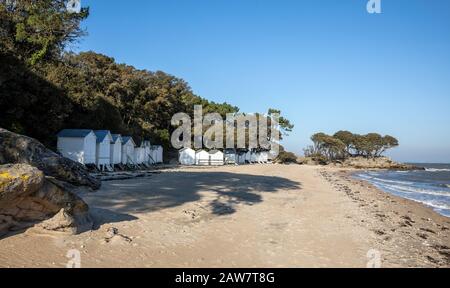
36,187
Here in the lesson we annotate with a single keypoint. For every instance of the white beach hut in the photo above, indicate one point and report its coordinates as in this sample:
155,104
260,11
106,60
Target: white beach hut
77,145
146,145
230,157
139,155
103,151
261,158
216,158
128,147
116,149
157,154
248,157
201,158
253,157
186,156
160,158
152,156
264,157
241,158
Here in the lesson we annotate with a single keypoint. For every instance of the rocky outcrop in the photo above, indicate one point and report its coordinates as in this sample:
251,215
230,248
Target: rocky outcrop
360,163
377,163
28,197
15,148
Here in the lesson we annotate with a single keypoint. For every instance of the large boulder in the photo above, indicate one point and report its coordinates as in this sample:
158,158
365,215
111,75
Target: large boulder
15,148
28,197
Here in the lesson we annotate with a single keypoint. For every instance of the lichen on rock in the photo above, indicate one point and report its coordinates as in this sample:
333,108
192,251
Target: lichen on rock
27,197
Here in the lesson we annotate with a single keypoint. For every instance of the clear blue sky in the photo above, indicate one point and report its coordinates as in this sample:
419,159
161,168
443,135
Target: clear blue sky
327,64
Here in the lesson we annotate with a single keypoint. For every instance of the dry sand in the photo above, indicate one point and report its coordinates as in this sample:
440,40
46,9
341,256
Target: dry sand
243,216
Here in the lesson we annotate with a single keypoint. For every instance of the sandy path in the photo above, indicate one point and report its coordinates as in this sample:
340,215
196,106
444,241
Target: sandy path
246,216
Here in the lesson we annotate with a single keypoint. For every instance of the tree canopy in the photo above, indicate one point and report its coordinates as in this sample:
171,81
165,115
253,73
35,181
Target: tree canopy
44,88
344,144
38,30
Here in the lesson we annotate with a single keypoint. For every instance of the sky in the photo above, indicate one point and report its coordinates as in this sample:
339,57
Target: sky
328,65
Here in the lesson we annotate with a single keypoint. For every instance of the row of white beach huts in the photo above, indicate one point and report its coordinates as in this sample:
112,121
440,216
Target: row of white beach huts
107,151
188,156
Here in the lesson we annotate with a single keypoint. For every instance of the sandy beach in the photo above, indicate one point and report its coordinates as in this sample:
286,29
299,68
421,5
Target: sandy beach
243,216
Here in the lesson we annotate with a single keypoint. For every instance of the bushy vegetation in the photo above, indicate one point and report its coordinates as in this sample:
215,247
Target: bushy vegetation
345,144
44,89
286,157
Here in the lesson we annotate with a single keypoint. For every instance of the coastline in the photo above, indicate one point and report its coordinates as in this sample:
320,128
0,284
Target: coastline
243,216
401,224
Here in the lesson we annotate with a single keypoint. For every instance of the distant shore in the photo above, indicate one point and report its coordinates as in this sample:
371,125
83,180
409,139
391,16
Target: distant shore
363,163
243,216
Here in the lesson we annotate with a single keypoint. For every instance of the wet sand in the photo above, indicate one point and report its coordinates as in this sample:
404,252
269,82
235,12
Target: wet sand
243,216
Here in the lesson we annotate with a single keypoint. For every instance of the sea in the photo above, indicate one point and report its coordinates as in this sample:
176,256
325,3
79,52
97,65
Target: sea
430,187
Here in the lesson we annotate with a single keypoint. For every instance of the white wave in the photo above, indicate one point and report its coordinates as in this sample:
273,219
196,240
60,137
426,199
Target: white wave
434,204
436,170
385,180
394,181
413,190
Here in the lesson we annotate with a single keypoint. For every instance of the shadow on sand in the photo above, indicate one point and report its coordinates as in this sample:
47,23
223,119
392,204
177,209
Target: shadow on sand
118,199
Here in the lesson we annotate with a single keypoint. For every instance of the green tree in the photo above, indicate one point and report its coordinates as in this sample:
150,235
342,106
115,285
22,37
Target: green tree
36,30
327,146
318,140
342,143
374,144
389,142
347,138
30,104
361,145
285,125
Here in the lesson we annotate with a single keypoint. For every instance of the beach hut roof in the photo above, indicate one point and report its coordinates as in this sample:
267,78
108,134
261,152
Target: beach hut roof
116,137
101,135
146,143
125,139
184,149
74,133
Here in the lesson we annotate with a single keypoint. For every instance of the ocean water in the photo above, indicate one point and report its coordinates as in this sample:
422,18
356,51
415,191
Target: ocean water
430,187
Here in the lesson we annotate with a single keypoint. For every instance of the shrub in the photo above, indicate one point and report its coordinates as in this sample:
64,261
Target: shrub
286,157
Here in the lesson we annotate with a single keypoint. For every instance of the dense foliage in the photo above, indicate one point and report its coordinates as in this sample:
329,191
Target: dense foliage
286,158
44,89
345,144
38,30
